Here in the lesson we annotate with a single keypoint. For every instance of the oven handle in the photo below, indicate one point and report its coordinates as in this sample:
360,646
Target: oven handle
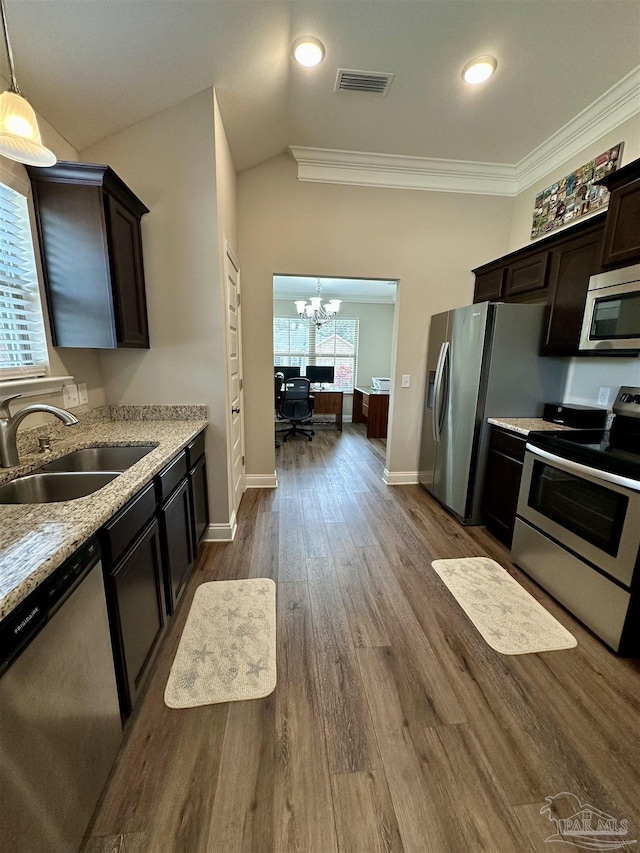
579,468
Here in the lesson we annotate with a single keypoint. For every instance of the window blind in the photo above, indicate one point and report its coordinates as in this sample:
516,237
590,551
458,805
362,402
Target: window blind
297,343
23,346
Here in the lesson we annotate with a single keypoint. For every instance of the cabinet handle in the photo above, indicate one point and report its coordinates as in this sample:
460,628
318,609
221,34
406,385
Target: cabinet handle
235,411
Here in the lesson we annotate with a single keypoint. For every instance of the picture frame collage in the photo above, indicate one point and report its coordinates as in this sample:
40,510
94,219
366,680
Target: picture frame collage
576,195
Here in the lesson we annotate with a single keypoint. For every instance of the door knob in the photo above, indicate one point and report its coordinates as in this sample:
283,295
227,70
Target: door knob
235,411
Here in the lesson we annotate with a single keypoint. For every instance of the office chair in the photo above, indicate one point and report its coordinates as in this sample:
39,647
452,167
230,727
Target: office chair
296,406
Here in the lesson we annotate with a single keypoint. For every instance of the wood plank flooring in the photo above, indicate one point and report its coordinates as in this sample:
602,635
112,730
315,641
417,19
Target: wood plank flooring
393,728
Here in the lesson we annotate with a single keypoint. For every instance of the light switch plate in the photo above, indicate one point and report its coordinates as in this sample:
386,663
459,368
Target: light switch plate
70,396
406,380
83,394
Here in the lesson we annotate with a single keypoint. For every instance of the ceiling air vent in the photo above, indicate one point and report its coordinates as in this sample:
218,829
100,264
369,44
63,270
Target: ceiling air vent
373,82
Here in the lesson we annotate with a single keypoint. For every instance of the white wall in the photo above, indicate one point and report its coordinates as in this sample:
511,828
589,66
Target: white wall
427,241
169,161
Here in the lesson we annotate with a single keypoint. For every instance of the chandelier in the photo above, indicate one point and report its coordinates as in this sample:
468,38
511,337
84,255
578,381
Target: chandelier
314,311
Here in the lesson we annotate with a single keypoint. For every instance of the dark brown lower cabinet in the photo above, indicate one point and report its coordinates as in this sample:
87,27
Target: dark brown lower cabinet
137,612
177,543
502,483
199,502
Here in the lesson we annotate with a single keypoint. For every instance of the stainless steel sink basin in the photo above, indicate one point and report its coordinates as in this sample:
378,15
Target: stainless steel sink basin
51,488
99,459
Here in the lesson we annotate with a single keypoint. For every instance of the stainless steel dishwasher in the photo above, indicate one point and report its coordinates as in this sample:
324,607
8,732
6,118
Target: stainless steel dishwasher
60,725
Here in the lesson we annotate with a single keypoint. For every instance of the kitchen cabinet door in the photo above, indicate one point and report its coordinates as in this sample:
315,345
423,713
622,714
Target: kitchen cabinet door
526,275
572,264
502,483
198,501
177,544
137,612
90,243
621,242
488,285
127,274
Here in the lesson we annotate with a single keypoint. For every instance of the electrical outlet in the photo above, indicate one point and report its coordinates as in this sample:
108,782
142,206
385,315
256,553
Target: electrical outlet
603,396
406,380
83,394
70,396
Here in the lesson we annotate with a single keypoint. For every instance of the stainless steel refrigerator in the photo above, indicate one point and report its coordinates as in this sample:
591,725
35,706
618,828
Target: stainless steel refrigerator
482,362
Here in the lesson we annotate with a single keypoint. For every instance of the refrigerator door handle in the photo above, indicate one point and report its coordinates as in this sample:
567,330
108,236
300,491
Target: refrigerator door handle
437,414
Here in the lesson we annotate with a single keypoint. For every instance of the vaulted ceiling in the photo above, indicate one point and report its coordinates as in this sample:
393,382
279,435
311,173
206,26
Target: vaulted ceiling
93,67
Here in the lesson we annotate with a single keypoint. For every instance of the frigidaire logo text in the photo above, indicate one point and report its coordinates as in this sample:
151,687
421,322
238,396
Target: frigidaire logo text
26,620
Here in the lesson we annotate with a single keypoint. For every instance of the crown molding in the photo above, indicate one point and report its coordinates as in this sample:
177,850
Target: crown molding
360,168
605,114
391,171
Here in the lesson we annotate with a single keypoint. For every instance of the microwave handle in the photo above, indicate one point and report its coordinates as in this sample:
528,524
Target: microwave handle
579,468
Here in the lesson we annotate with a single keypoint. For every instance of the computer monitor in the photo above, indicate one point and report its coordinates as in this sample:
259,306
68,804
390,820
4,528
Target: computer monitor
321,373
289,372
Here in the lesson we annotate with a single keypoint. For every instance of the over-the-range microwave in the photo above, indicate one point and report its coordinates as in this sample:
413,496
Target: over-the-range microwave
611,318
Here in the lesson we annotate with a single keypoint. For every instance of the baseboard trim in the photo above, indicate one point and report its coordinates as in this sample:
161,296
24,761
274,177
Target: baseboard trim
399,478
261,481
221,532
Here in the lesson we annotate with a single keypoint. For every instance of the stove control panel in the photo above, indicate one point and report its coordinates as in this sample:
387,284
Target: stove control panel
628,402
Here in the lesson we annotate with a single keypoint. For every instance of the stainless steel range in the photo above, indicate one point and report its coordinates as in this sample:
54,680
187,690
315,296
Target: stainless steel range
577,530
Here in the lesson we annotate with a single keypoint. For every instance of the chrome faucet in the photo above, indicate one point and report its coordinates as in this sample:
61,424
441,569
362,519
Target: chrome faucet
9,426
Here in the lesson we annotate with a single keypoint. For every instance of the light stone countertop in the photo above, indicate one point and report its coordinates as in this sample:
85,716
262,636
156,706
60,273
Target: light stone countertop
523,426
36,538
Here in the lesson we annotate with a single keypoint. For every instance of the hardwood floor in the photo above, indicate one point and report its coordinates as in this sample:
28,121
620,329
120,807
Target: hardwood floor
393,727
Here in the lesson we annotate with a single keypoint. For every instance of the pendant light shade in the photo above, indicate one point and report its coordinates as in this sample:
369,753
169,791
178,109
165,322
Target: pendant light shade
20,138
19,133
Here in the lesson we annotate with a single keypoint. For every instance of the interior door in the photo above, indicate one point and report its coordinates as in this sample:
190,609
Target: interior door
234,378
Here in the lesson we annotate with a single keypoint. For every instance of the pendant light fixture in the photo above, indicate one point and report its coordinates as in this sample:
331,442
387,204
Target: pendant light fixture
20,138
316,313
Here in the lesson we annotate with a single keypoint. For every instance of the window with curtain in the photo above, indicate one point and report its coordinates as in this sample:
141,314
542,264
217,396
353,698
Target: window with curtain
23,346
297,343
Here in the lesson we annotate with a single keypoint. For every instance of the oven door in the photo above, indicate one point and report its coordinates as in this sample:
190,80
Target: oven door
611,318
593,513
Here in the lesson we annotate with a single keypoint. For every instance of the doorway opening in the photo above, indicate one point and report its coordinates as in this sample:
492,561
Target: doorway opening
343,354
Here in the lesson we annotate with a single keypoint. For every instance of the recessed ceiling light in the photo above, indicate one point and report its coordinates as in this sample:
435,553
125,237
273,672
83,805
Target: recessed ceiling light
479,69
308,51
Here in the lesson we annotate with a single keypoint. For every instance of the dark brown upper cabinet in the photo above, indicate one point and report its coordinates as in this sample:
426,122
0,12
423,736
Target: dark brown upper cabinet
489,285
527,274
621,242
90,242
572,263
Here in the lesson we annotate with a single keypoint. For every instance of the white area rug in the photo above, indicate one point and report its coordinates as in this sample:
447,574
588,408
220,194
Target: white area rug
510,620
227,651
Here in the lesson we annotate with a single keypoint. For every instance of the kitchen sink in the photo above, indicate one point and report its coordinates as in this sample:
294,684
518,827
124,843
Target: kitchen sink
108,458
51,488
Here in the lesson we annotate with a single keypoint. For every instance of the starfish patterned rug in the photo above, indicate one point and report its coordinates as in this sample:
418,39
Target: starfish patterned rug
506,615
227,651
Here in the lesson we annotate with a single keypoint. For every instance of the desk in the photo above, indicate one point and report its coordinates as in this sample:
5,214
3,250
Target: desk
329,403
371,407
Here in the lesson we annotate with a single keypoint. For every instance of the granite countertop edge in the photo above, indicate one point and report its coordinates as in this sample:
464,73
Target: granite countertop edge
37,538
523,426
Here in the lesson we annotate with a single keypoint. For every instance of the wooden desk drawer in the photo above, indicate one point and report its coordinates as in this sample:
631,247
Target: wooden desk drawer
365,409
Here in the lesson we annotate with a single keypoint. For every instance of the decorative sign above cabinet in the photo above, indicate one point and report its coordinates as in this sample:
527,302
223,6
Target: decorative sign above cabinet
576,194
90,242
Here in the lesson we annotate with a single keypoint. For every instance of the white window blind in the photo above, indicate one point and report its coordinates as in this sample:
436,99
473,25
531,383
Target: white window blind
297,343
23,346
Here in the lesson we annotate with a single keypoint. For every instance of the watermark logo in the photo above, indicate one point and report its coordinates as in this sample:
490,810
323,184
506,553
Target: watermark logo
584,826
